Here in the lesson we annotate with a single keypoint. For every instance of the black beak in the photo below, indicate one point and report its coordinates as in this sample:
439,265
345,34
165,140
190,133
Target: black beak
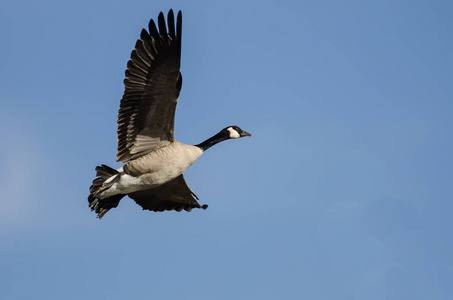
245,133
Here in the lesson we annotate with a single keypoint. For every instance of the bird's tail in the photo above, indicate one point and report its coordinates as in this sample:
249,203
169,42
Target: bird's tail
102,206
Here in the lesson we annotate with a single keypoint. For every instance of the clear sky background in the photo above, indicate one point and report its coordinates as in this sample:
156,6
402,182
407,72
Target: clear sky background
344,190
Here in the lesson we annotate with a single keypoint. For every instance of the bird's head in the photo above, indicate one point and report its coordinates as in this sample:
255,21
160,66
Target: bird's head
234,132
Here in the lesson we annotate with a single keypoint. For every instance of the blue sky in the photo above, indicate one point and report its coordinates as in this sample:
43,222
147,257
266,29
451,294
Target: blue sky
344,190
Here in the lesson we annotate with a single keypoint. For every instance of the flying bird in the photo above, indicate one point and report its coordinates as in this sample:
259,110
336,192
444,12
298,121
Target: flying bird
154,162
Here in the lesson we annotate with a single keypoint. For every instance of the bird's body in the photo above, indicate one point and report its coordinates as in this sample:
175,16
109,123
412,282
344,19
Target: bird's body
154,160
153,169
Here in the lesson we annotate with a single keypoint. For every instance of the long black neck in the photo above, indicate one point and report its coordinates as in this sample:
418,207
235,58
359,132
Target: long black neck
219,137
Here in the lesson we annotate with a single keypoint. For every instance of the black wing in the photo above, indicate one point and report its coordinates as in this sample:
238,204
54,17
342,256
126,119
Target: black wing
173,195
153,81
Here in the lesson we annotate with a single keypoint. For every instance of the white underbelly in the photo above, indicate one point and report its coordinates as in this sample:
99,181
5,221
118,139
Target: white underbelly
125,185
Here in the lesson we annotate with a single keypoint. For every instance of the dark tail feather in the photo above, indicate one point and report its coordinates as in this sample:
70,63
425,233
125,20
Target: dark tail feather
102,206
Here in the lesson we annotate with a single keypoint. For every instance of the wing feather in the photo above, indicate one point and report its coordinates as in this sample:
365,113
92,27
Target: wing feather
152,85
162,26
173,195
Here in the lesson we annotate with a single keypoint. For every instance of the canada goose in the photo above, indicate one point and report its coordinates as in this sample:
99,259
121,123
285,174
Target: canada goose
154,161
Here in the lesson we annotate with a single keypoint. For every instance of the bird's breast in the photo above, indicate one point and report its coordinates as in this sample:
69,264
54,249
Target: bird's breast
164,164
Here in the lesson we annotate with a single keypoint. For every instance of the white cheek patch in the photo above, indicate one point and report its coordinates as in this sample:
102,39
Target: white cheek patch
233,133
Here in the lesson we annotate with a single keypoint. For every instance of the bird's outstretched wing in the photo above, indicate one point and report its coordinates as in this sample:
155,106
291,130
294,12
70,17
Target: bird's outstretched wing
173,195
153,81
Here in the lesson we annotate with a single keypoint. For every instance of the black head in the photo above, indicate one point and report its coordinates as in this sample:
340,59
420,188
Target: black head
230,132
234,132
